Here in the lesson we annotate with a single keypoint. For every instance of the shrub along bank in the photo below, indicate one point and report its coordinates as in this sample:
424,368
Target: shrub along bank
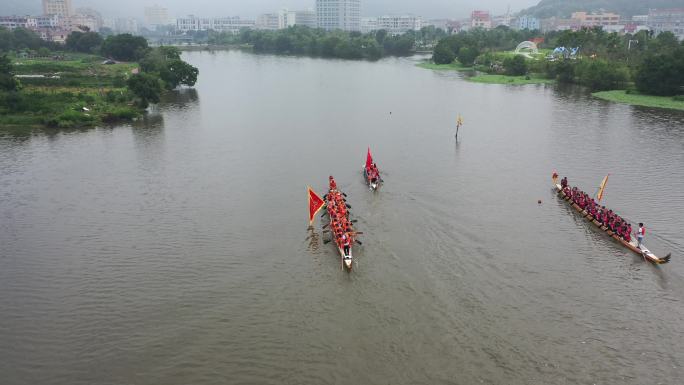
606,61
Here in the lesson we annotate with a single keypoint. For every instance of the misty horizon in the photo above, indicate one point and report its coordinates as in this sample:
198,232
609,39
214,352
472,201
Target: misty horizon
429,9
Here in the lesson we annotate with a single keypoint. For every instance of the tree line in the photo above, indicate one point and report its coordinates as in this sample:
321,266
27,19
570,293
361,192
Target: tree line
654,64
301,40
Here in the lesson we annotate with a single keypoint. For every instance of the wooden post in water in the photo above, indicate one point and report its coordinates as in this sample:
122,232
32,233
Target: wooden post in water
459,122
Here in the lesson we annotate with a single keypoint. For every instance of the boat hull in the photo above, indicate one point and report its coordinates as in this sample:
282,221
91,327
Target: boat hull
632,245
371,185
347,261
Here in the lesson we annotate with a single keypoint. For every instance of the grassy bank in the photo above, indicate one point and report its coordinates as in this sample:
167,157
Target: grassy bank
505,79
621,96
455,66
76,90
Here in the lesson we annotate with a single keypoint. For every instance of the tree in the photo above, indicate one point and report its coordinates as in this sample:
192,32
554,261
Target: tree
467,56
156,58
443,53
563,70
177,72
146,87
6,40
7,80
85,42
380,36
167,64
399,45
125,47
666,41
170,52
24,38
662,74
515,66
601,75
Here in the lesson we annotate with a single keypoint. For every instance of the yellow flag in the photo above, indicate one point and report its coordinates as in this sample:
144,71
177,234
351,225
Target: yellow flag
602,187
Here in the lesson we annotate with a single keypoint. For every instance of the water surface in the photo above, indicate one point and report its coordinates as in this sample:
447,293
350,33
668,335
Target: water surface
176,250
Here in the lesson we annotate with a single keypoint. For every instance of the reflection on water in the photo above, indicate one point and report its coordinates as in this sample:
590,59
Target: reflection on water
175,248
180,98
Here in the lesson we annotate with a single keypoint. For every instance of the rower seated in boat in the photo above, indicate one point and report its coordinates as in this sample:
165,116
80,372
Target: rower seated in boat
628,233
564,182
566,191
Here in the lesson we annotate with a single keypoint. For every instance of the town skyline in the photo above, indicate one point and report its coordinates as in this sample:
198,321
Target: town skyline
177,8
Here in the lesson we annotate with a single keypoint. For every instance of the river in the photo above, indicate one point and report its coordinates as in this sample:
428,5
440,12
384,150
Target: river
175,250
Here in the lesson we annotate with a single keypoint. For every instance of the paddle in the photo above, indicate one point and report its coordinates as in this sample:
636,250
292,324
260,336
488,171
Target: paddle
325,225
348,205
359,242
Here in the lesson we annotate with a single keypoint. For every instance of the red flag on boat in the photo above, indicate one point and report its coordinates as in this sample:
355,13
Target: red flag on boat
315,204
369,158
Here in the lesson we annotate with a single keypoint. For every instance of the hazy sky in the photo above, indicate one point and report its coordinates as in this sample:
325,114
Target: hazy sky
251,8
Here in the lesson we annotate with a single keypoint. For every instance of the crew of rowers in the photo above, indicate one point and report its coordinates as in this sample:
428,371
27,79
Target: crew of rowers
605,217
340,225
373,173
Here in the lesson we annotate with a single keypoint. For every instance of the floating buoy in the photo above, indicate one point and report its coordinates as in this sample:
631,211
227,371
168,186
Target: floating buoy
539,201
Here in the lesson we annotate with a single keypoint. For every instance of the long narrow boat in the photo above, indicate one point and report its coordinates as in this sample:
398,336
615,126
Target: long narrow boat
632,245
373,185
346,260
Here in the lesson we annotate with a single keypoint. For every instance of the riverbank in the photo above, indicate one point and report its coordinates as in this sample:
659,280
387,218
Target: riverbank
635,99
482,77
212,47
455,66
69,90
506,79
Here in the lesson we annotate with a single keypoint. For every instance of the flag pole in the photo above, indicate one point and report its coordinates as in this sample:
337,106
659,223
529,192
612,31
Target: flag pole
459,122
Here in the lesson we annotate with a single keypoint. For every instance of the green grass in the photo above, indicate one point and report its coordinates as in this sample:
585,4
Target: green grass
64,107
455,66
505,79
77,70
83,82
621,96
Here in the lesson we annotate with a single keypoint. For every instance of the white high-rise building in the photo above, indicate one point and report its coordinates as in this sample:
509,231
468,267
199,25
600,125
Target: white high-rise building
286,18
394,25
220,24
156,15
269,21
61,8
306,18
339,14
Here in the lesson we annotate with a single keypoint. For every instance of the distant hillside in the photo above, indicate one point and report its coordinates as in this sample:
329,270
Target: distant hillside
20,7
628,8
